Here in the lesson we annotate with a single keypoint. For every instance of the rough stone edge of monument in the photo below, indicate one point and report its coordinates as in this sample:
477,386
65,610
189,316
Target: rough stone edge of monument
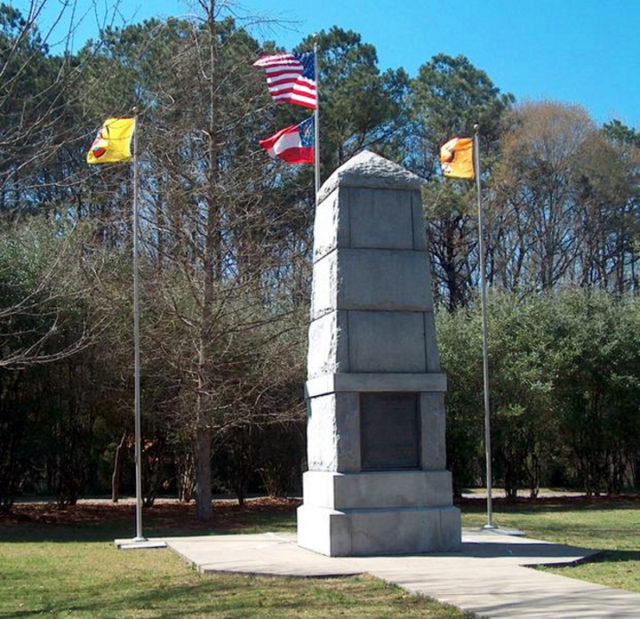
368,170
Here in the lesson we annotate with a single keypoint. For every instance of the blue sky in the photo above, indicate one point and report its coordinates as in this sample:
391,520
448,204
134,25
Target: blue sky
576,51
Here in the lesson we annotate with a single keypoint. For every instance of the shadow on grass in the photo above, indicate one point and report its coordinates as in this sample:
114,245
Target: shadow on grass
612,556
57,533
547,504
242,595
217,595
94,524
167,599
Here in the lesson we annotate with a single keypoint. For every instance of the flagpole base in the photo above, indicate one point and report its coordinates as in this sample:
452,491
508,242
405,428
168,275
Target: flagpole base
139,543
492,528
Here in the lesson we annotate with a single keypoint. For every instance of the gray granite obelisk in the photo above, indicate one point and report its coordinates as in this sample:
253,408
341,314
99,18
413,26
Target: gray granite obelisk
376,482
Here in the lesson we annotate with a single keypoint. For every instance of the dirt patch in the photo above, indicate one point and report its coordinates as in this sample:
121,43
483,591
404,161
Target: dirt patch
569,501
164,512
228,514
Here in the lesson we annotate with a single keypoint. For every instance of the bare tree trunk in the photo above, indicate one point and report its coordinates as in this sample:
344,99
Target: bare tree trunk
186,477
204,509
117,464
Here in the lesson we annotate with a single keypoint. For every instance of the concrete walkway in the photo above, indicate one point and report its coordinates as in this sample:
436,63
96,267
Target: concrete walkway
488,578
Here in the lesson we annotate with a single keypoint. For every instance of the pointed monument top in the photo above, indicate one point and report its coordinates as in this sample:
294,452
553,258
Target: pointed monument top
367,169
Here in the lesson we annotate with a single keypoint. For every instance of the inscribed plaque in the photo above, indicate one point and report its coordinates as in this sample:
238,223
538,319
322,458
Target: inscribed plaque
389,431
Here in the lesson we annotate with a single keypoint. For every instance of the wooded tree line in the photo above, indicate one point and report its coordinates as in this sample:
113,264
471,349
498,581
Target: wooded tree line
564,386
226,238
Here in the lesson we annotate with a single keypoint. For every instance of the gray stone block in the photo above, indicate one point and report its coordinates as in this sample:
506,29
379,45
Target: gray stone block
418,223
376,424
330,222
376,382
450,529
367,169
386,342
431,343
433,428
377,489
383,280
333,433
328,345
371,279
379,531
322,452
323,530
380,219
324,289
401,531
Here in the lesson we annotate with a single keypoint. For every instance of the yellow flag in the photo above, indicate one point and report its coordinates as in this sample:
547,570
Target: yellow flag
113,142
456,157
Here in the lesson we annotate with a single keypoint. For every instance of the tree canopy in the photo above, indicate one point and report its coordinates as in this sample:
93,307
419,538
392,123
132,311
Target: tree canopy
226,237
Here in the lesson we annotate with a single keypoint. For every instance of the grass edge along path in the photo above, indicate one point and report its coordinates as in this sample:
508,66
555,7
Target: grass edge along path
74,570
95,579
609,526
50,567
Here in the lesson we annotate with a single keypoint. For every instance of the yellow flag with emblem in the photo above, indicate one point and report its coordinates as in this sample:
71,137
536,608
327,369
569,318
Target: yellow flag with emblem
113,142
456,157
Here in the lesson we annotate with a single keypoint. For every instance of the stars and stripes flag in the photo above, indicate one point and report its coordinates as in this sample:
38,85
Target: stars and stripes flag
293,144
291,77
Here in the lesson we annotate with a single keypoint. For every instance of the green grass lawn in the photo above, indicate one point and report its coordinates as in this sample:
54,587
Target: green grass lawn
63,578
61,570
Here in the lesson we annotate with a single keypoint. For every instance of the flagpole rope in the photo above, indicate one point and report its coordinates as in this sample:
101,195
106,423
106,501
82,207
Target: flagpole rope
316,122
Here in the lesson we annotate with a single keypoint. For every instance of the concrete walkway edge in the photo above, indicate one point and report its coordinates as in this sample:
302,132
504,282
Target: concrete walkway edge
489,577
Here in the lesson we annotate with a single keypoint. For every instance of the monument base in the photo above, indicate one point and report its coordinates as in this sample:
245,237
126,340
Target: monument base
386,531
378,513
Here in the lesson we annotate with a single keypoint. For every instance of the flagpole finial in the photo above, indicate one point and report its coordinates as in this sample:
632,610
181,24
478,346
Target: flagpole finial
134,109
476,127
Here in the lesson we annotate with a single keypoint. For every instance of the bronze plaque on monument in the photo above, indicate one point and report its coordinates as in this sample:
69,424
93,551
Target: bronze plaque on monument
389,431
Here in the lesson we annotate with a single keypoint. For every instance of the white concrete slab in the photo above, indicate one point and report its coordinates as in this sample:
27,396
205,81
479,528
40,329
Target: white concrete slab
488,577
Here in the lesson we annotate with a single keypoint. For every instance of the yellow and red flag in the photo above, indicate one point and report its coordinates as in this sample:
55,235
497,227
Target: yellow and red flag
456,157
113,142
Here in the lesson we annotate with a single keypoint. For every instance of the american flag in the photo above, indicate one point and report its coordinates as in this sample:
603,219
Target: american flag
291,77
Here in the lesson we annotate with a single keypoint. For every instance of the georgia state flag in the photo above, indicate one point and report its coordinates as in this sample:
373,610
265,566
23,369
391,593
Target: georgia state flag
292,144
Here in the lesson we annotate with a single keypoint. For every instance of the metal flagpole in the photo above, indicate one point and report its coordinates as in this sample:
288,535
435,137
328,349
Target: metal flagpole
136,339
316,120
485,348
139,541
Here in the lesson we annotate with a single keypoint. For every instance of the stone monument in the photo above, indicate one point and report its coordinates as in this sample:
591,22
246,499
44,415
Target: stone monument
376,482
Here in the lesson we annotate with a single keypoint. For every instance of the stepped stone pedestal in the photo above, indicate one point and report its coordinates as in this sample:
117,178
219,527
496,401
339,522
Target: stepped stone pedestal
376,482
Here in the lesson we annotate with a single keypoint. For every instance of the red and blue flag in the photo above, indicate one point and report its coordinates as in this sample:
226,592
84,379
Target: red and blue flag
292,144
